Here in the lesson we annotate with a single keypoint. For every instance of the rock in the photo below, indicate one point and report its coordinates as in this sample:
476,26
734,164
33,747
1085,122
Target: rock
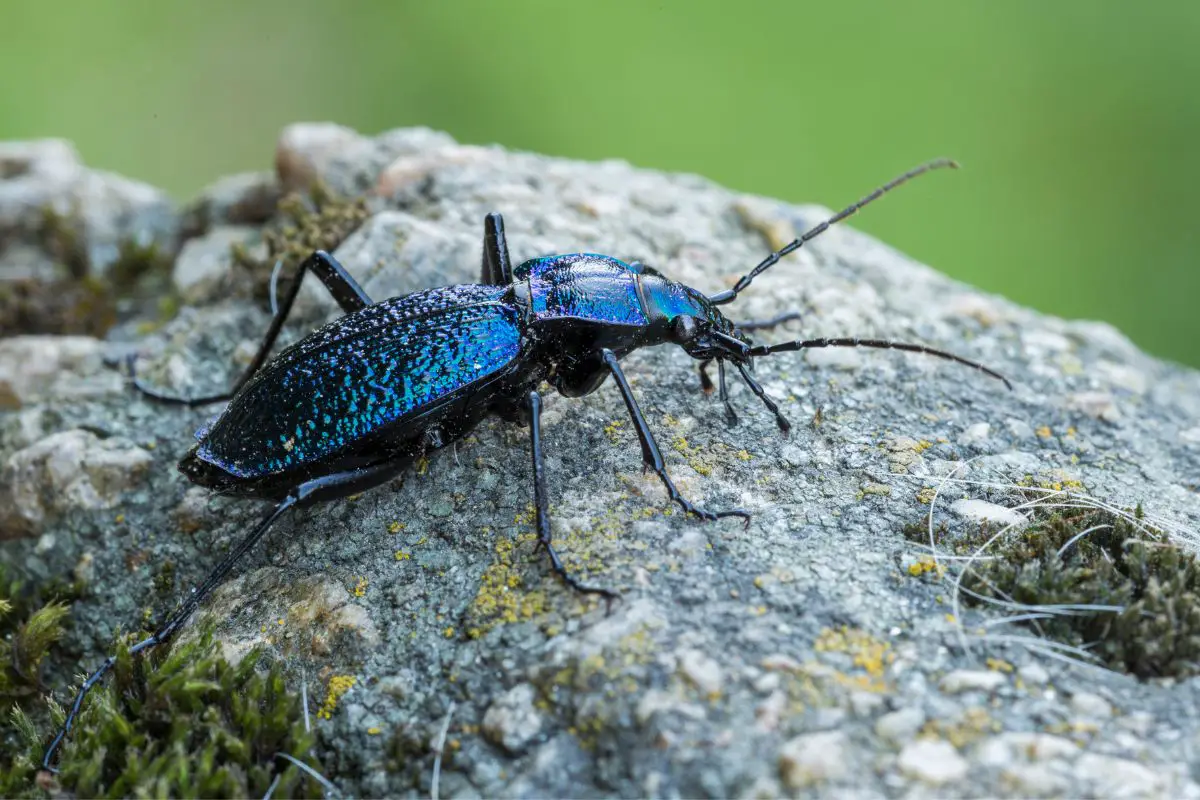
1097,405
202,270
728,641
975,433
246,199
1038,780
1034,674
343,159
1006,748
51,368
900,726
72,470
813,759
702,671
44,177
1118,777
983,511
1092,706
511,721
972,680
933,762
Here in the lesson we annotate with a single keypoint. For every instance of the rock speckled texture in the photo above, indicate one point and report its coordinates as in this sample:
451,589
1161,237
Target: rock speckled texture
801,654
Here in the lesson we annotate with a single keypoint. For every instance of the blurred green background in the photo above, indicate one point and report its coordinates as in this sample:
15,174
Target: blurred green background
1077,121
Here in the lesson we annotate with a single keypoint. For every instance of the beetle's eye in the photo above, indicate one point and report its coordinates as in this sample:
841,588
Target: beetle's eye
684,329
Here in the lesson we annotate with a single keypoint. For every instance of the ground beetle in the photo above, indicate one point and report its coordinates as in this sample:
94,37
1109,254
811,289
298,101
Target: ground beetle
354,403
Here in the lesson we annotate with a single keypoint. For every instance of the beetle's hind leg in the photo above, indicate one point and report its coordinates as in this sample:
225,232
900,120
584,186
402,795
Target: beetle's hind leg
541,502
328,487
651,455
497,266
345,290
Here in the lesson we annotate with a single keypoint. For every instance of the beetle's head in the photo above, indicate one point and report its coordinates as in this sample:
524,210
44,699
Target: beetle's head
692,321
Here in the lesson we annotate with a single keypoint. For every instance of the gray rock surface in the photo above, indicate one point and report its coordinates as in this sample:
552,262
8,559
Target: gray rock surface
799,655
37,177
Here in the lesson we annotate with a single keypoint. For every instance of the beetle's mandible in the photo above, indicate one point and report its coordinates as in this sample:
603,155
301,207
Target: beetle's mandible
353,404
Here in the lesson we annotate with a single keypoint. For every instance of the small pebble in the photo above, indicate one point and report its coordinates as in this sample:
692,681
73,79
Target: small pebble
1093,706
813,758
512,722
702,671
932,761
971,680
900,726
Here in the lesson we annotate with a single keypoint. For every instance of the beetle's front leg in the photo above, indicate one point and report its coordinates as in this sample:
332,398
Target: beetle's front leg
541,502
651,455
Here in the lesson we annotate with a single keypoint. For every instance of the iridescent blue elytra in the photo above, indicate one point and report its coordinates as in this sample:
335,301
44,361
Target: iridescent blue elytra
362,373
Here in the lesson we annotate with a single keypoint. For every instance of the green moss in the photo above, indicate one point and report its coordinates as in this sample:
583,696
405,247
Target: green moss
1118,563
62,236
66,306
320,220
182,723
76,302
188,723
32,620
135,260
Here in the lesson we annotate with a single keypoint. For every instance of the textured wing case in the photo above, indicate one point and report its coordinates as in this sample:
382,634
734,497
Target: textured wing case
361,373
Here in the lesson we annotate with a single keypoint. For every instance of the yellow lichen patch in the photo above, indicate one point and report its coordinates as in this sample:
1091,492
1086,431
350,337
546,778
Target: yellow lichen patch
697,458
374,731
926,495
360,586
1044,432
875,489
526,517
868,653
613,431
422,465
403,555
924,565
395,527
448,632
502,597
922,445
744,455
999,665
338,686
974,724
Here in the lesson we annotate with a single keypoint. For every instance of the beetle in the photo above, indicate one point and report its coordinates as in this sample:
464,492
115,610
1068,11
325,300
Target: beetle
351,405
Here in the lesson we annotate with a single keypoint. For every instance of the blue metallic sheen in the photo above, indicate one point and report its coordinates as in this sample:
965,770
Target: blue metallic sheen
584,286
360,373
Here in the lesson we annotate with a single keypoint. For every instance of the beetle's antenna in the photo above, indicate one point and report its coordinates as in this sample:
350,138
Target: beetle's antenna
728,296
883,344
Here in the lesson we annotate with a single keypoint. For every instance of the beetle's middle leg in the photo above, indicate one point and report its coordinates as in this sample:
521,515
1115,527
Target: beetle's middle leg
541,502
345,290
651,455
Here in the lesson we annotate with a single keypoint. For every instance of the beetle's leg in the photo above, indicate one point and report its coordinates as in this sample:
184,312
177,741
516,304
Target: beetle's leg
325,488
651,455
766,324
780,419
706,384
344,289
731,416
541,502
497,266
